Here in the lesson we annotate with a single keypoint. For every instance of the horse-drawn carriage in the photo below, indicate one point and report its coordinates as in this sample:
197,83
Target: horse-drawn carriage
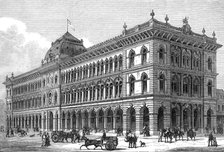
58,136
22,133
110,142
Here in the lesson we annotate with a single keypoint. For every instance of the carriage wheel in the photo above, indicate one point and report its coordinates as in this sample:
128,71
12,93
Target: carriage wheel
55,138
110,145
19,134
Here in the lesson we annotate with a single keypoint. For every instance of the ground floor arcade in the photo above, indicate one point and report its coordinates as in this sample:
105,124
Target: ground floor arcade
128,116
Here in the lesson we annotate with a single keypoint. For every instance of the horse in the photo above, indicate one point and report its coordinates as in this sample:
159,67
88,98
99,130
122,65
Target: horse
178,132
77,136
89,142
132,139
191,134
168,135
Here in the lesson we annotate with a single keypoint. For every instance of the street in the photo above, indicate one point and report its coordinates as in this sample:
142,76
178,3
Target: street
21,144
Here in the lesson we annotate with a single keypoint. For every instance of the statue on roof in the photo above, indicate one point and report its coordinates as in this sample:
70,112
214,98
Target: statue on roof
186,28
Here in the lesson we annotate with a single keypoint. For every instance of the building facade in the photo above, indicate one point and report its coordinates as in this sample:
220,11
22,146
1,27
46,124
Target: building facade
220,109
153,74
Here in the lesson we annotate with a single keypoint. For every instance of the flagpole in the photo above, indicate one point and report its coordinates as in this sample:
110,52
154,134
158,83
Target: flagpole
67,25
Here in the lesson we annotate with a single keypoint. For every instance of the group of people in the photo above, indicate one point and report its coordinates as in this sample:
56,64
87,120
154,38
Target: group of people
9,132
45,139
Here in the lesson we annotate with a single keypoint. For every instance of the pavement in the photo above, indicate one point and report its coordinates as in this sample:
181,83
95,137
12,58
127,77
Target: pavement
21,144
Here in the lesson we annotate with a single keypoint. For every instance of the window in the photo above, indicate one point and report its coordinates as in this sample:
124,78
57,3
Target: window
218,107
131,58
98,68
196,87
94,69
162,83
209,64
102,67
115,63
107,91
90,70
56,79
144,54
209,88
111,65
144,83
106,66
55,97
132,84
186,85
161,54
120,62
222,107
175,85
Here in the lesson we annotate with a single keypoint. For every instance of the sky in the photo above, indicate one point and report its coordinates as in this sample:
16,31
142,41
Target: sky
27,27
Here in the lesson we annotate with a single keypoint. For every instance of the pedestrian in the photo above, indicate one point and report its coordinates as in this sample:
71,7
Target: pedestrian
47,140
210,139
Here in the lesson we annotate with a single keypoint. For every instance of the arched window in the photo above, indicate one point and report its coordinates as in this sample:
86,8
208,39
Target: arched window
106,65
102,67
107,90
44,83
115,63
80,73
111,90
101,93
210,64
84,72
87,68
90,70
144,78
162,83
98,68
175,85
161,54
44,100
120,62
55,97
196,87
94,69
111,65
132,85
56,79
186,85
144,54
94,90
131,58
210,88
74,75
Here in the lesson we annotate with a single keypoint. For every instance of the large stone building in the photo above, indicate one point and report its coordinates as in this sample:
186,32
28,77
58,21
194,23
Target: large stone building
153,74
220,107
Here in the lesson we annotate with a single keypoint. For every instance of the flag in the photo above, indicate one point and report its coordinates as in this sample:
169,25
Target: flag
69,23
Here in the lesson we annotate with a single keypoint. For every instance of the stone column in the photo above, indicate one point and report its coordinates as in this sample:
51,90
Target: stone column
181,117
138,121
192,117
66,121
54,121
77,121
124,121
113,96
114,122
105,121
97,120
42,121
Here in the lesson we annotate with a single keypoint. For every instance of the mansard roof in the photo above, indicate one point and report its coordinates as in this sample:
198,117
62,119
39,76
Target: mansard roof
65,46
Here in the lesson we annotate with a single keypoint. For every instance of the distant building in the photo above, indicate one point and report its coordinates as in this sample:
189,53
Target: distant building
220,107
153,74
2,115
